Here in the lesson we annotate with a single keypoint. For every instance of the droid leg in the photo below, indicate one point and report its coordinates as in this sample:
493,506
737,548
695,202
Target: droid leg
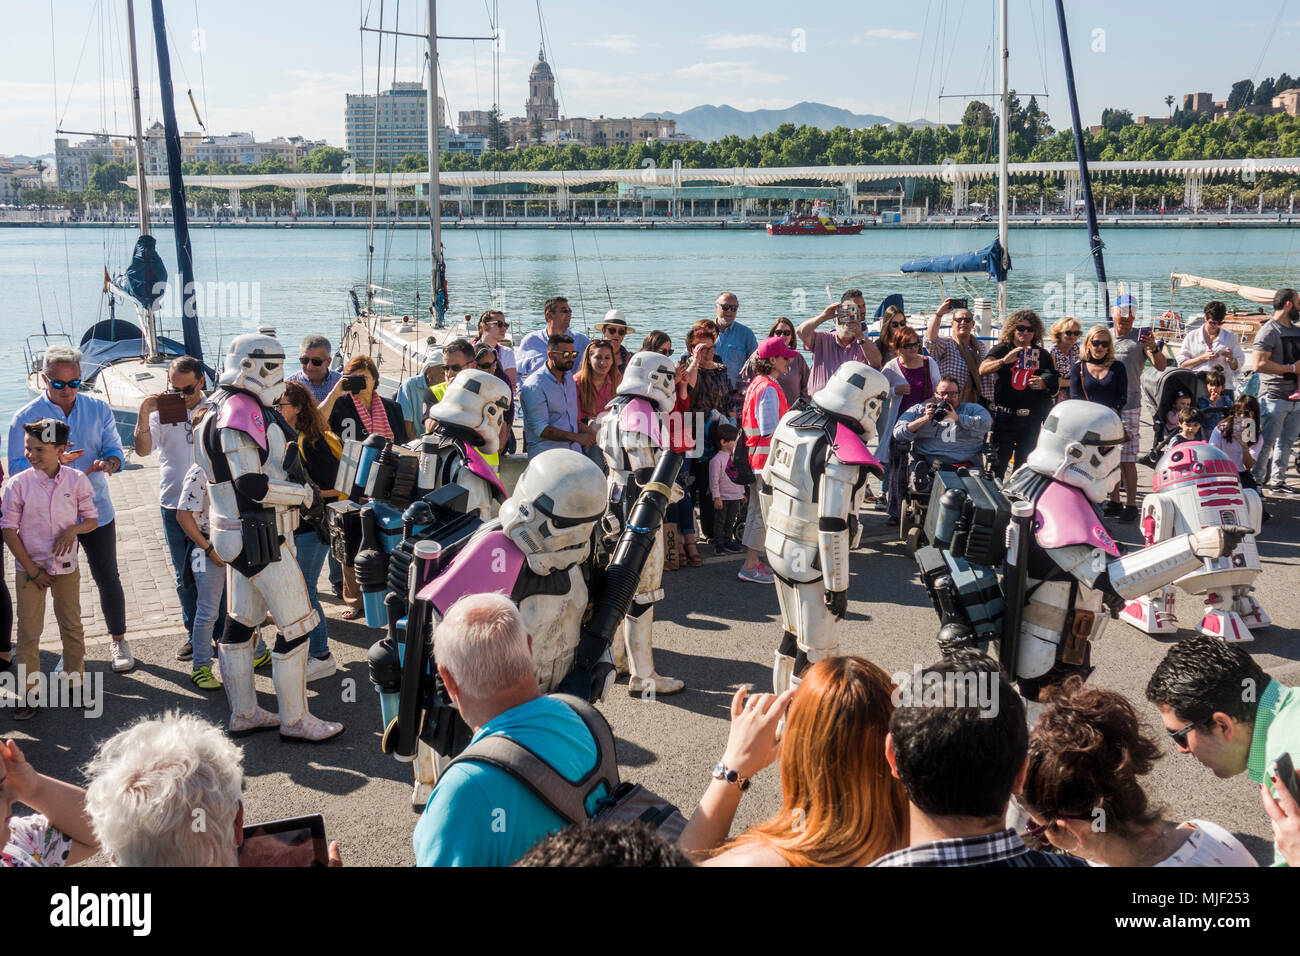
1244,603
638,626
1152,613
1222,621
235,652
282,587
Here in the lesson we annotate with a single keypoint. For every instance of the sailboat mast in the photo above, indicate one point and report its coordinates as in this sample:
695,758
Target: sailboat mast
438,268
1094,232
141,187
176,183
1003,104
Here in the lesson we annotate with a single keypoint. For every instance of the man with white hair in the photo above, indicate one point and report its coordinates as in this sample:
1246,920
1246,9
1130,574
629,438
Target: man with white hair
415,394
94,447
480,815
151,784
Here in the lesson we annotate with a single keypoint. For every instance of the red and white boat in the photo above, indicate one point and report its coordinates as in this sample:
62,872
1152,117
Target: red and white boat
819,223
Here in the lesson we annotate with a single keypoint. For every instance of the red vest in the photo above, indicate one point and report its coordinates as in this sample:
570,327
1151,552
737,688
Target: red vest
759,445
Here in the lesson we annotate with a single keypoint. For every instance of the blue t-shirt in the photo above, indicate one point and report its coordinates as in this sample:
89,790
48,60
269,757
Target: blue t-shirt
480,815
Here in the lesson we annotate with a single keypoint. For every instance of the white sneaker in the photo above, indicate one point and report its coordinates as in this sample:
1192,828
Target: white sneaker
318,668
121,656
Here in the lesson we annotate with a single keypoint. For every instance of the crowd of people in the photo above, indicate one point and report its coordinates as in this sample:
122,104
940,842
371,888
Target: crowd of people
867,777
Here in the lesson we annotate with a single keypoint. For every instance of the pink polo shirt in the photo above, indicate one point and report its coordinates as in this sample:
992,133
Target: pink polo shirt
41,508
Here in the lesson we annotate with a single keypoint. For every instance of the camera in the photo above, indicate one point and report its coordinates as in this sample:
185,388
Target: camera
354,383
939,411
958,305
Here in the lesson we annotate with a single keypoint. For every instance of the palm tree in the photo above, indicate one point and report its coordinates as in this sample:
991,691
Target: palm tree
1169,102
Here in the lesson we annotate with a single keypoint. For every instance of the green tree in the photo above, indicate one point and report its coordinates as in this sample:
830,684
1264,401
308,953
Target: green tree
1115,120
324,159
1240,94
1265,92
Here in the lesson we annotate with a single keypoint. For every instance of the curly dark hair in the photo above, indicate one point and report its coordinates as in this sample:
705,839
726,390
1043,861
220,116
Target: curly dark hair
605,845
1087,753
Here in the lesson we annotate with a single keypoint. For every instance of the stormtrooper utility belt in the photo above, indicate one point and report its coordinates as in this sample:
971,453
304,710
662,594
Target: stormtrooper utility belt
261,537
1078,628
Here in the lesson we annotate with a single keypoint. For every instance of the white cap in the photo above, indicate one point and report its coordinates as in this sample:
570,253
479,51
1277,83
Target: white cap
433,357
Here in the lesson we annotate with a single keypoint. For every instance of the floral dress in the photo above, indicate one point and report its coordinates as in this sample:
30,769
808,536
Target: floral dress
34,842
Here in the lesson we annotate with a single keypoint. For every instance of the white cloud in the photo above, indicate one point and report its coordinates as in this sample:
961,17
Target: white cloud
885,33
745,41
721,71
618,42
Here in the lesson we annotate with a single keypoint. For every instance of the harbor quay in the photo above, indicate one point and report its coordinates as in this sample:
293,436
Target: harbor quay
712,631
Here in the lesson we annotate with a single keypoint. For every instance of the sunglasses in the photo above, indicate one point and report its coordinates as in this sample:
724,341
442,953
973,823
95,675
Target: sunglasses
486,367
499,325
1072,335
1024,328
619,332
666,350
314,362
1104,343
964,318
455,368
899,324
59,385
911,345
1179,737
567,355
187,390
1214,321
728,308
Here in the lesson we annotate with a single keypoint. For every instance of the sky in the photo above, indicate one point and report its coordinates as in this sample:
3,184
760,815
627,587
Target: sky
282,68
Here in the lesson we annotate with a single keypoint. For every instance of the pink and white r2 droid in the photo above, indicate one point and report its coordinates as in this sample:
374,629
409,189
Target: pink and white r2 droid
1195,486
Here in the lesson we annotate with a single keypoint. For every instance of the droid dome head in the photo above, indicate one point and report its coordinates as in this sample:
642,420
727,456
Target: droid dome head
255,364
651,375
1192,462
857,392
556,503
478,401
1080,445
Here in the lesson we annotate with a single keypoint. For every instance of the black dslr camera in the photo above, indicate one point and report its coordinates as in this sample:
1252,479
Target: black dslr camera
939,411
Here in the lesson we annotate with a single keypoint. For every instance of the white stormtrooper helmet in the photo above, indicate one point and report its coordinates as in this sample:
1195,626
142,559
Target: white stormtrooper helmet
651,375
255,363
556,503
858,392
1080,445
476,400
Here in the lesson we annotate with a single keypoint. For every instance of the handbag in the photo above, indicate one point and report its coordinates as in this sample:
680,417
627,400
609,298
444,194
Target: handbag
671,562
744,473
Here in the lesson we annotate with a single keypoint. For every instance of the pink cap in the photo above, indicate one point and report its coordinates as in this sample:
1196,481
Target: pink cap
775,346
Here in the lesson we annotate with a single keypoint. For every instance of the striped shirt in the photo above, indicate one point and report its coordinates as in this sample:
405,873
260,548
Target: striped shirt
951,361
1004,848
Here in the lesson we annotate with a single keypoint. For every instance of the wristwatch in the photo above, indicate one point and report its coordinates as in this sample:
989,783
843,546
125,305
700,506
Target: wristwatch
208,549
722,772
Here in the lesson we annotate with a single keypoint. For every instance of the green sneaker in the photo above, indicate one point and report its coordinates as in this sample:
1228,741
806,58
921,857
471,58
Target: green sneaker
203,679
262,659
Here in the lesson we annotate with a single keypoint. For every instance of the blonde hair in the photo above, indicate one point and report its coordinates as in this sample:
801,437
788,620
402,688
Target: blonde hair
1061,326
1085,355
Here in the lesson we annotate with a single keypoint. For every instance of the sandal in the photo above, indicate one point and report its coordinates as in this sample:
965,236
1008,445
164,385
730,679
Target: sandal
353,613
693,556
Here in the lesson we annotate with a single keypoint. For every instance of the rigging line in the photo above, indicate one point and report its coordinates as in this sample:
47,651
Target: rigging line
600,260
1268,42
917,72
203,79
374,153
75,73
388,190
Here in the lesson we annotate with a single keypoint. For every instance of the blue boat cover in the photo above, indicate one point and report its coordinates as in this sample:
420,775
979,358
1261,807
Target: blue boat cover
112,340
146,277
987,261
893,299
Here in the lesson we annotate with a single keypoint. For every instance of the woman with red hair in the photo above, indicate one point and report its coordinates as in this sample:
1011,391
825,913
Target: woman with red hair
840,804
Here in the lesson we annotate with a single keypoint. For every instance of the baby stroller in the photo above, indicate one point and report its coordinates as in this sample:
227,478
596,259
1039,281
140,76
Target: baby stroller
1162,389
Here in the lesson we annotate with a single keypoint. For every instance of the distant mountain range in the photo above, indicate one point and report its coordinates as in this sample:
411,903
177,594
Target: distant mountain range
715,122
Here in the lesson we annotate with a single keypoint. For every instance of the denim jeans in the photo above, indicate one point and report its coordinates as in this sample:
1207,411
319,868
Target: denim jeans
311,558
178,549
209,607
1279,428
336,573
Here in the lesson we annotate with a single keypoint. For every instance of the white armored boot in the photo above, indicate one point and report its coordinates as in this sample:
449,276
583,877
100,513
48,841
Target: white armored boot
289,671
618,647
237,678
640,656
782,673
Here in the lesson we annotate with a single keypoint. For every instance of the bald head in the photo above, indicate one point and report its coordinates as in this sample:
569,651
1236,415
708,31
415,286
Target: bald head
483,644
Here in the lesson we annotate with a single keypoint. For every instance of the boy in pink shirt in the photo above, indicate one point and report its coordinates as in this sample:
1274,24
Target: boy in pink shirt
727,495
45,508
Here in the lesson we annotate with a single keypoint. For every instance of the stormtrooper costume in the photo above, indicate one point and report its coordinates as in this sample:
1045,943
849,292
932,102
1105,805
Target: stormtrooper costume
631,437
469,426
240,445
536,553
1076,577
817,470
1195,485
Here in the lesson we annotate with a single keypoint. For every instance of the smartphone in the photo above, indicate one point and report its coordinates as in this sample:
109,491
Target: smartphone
1144,334
171,408
958,304
354,383
298,841
1286,774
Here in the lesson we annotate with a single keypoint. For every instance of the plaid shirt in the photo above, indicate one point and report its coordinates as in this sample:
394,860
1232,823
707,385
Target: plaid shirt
948,354
994,849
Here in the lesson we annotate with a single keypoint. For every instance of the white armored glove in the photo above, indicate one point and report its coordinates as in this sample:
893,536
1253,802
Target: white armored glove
1216,542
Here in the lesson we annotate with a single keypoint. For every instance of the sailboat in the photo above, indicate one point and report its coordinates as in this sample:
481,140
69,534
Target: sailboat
124,362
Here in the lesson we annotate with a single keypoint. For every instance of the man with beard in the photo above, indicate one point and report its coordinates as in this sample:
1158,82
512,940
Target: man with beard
550,399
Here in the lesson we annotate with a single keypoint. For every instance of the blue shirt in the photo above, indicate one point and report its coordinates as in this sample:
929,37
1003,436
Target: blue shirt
530,353
319,392
480,815
90,427
952,442
411,396
736,343
548,402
